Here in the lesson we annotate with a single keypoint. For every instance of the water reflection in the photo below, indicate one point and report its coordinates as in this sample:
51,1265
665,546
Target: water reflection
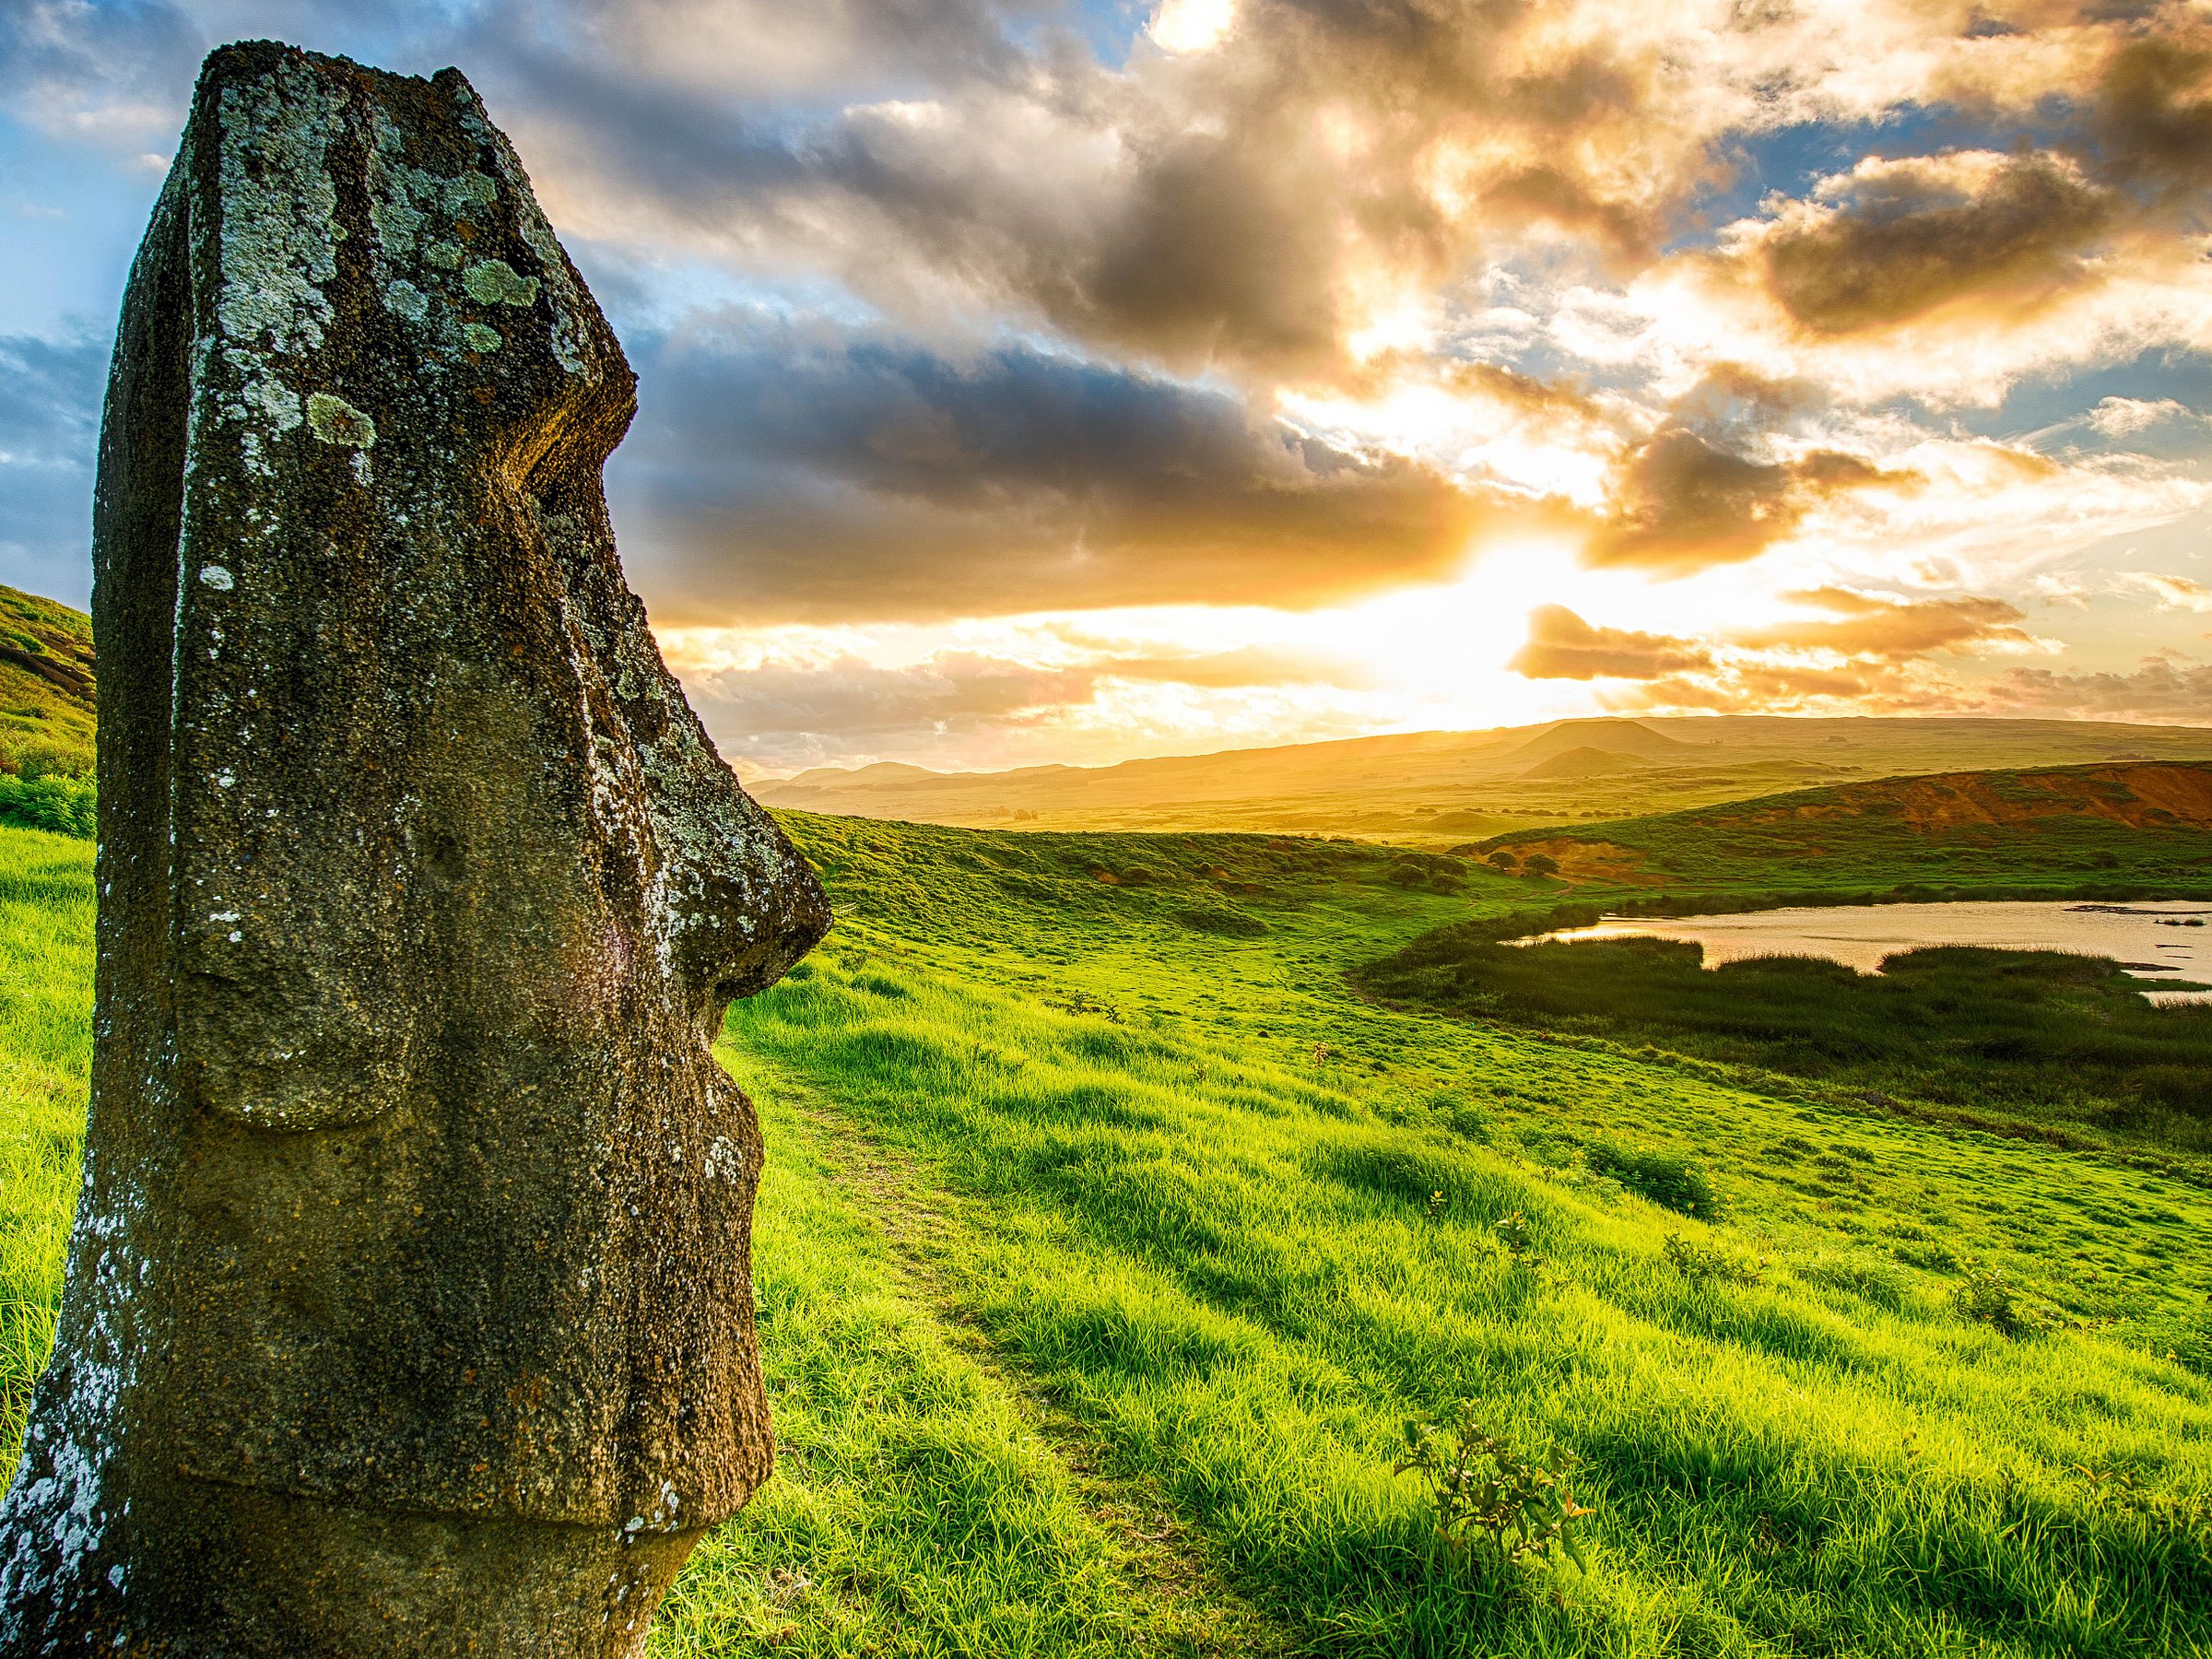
2160,940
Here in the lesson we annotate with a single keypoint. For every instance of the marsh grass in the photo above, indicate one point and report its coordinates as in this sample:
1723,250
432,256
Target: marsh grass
2036,1037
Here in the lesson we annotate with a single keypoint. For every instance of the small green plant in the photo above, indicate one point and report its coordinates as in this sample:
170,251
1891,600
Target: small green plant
1514,1234
1704,1263
1078,1002
1436,1205
1488,1494
1988,1295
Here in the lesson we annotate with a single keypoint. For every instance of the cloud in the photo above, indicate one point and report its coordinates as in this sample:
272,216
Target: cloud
2151,121
1275,202
2125,416
2172,593
1893,240
785,474
781,713
1246,666
2163,689
1891,629
1682,502
1562,646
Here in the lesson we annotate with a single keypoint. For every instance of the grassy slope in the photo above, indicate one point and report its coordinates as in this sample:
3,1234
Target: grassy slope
46,713
1099,1264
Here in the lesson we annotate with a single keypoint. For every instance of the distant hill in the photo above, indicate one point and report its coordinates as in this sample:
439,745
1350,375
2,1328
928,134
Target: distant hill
2121,820
46,685
1432,788
1585,763
1629,738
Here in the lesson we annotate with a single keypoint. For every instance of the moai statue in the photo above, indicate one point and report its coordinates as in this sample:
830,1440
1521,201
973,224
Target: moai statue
409,1306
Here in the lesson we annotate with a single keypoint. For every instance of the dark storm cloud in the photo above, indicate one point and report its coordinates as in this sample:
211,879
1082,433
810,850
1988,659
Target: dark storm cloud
49,395
789,475
2150,123
1562,646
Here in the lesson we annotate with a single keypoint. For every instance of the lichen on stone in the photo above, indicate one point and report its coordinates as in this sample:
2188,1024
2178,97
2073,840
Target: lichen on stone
403,299
481,338
334,420
494,282
278,207
470,189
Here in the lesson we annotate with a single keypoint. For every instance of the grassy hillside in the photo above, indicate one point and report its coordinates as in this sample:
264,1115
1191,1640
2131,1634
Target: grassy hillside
1108,1242
1433,788
46,714
2110,825
46,684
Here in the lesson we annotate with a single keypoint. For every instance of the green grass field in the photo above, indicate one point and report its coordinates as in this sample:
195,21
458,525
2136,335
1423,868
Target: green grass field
1109,1241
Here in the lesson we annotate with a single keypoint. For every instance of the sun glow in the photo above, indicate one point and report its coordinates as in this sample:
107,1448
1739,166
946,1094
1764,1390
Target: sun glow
1182,26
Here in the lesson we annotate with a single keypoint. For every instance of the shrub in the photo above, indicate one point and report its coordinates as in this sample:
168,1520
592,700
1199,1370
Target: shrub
1668,1179
1485,1490
1540,864
63,804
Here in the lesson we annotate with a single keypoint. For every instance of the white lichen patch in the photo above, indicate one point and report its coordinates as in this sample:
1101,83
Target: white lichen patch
481,338
279,241
262,393
334,420
216,577
494,282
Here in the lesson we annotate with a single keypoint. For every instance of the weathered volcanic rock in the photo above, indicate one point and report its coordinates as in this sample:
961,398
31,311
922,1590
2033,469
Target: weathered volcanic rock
409,1306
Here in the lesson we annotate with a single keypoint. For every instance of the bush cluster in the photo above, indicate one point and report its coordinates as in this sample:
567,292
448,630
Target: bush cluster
62,804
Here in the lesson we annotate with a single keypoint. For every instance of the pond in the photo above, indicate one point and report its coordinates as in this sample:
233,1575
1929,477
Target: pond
2153,940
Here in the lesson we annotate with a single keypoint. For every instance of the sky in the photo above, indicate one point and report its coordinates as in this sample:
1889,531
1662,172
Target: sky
1025,381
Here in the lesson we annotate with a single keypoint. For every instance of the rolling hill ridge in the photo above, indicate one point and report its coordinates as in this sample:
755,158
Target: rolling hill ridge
2146,819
